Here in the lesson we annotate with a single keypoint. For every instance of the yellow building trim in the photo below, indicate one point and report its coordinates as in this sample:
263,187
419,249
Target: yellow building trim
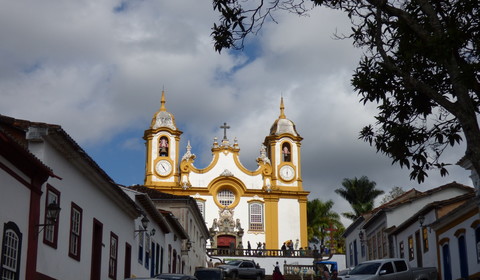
461,219
299,166
303,223
271,223
459,232
443,241
475,224
148,166
227,183
245,170
188,165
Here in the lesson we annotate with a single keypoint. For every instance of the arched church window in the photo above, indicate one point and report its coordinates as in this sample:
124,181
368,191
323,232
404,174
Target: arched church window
225,197
163,147
11,251
255,214
286,152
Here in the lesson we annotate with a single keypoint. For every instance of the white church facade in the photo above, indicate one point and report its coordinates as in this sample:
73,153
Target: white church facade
240,206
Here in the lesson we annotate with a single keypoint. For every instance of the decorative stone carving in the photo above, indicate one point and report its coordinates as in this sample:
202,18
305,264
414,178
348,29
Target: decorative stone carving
163,119
226,173
188,155
263,155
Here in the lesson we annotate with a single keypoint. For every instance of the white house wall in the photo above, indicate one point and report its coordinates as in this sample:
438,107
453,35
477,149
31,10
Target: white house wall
288,222
473,265
14,202
403,212
226,162
75,187
429,258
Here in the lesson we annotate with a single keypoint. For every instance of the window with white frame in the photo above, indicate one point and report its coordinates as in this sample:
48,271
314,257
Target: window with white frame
50,235
11,252
425,239
402,249
225,197
75,232
112,263
256,216
411,253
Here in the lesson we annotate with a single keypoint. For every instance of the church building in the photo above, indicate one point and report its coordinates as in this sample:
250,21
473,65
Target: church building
240,206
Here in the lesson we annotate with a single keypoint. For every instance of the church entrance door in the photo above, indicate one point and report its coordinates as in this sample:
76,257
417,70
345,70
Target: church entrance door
226,241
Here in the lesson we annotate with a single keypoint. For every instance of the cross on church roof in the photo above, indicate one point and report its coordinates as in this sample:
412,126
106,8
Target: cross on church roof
225,127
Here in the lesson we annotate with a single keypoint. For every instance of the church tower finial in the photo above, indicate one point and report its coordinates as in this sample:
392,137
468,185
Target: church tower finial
162,106
282,109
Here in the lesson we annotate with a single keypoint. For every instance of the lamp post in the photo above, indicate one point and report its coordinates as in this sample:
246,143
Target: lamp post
145,221
52,213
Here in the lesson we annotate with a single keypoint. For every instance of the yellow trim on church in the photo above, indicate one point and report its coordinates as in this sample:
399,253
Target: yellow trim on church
267,172
271,222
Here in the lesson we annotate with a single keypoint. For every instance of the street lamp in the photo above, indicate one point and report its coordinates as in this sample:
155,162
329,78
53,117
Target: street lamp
145,222
53,211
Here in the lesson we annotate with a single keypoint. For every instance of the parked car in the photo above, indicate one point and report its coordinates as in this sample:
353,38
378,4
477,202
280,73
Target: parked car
387,269
209,274
242,269
173,276
344,272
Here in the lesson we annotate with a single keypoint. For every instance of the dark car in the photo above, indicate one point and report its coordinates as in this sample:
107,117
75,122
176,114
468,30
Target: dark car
173,276
209,274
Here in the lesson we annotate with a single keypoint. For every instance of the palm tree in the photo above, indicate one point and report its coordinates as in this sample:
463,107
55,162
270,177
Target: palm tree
320,217
360,193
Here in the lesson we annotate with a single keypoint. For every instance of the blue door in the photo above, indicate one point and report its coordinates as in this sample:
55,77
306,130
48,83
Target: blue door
355,252
462,249
447,266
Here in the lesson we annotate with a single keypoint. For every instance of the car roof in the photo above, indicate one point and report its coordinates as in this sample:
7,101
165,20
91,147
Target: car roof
173,276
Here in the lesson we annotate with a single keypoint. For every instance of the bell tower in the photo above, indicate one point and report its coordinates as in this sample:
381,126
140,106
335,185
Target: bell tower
162,142
283,148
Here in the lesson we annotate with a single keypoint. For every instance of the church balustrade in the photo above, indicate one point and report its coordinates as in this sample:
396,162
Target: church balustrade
230,252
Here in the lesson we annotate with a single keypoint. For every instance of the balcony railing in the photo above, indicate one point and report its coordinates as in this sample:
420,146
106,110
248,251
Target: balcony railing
266,253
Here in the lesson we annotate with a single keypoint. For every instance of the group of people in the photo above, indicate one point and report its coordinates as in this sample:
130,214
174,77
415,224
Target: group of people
288,247
326,275
260,247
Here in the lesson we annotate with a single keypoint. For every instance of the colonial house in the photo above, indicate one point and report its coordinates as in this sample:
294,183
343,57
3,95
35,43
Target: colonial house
186,211
414,239
373,235
22,176
101,232
157,239
458,242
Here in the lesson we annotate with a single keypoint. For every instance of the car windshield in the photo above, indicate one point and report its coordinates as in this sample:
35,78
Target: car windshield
234,263
365,268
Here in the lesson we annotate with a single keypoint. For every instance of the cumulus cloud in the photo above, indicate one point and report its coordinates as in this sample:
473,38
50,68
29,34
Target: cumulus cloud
98,68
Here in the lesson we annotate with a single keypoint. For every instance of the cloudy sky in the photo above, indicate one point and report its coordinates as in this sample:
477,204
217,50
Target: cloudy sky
97,68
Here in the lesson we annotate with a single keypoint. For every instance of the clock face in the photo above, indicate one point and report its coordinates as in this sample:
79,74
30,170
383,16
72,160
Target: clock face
163,167
287,172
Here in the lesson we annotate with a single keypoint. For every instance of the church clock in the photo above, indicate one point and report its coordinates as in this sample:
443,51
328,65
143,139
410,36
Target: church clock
163,167
287,172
